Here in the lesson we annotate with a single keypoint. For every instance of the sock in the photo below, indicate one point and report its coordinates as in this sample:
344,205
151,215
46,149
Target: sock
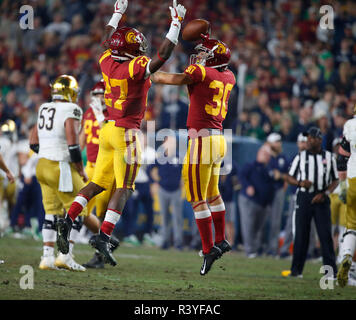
218,214
111,218
203,220
349,243
71,245
48,251
77,206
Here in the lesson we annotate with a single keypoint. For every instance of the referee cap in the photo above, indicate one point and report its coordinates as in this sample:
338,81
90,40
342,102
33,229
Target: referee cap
315,132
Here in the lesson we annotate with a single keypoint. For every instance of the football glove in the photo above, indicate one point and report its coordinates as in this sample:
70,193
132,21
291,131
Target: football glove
97,108
343,191
120,6
177,12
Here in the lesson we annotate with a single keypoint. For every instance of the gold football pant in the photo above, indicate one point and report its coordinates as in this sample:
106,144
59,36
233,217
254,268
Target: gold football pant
338,210
351,204
101,200
119,154
201,167
54,201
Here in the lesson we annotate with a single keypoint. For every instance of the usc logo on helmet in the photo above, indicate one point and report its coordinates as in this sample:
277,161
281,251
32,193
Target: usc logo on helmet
130,37
221,49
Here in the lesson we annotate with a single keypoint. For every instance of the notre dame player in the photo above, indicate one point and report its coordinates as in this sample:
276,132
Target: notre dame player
60,169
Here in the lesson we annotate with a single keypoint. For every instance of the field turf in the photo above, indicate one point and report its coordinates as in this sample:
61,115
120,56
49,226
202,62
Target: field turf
151,274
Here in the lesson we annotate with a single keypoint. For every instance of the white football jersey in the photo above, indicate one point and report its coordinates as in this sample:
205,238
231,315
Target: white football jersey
350,136
51,130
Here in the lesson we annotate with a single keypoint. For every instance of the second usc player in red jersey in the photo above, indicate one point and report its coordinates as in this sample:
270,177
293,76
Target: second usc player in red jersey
93,120
209,84
125,69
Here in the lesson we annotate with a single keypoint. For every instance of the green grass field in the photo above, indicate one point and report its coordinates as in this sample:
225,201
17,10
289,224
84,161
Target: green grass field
149,273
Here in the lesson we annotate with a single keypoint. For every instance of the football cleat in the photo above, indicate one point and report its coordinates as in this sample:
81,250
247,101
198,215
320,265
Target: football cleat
97,262
63,232
224,246
104,248
343,273
289,274
114,243
66,261
47,263
209,258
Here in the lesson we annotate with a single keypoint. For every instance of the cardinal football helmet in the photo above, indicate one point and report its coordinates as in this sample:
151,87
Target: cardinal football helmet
99,88
127,43
211,53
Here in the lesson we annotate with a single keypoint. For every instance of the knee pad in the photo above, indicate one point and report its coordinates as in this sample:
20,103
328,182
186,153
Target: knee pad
49,231
50,222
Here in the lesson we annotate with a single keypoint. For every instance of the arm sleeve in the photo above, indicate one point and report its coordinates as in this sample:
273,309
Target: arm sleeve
294,166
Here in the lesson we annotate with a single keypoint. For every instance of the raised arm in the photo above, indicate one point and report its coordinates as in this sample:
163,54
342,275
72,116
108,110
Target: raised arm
171,40
119,9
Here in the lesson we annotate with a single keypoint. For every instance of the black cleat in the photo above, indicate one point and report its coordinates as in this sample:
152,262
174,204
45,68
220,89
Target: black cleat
104,248
209,258
224,246
63,232
114,243
97,262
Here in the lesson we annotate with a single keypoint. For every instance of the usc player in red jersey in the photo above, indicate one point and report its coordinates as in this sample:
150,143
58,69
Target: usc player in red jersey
209,84
125,70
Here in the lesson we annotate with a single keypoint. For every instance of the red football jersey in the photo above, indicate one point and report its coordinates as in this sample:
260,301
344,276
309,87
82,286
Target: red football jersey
209,95
91,129
125,89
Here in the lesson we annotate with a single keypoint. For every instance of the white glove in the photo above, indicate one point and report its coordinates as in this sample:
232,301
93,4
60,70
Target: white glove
119,9
120,6
177,13
97,108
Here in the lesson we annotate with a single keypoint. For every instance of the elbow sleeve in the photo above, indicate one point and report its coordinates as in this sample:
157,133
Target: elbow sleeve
35,147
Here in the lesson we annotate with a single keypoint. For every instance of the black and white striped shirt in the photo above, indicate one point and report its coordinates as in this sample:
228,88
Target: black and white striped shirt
319,168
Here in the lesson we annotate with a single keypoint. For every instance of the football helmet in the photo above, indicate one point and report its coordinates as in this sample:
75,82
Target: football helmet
99,88
127,43
65,88
211,53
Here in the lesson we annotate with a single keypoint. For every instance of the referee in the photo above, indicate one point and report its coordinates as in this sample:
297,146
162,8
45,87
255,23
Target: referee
314,172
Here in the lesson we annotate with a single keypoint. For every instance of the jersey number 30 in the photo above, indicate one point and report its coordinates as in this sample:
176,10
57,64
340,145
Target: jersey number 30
46,118
220,99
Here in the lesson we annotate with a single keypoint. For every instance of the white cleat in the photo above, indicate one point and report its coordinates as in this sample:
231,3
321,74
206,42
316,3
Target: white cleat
47,263
66,261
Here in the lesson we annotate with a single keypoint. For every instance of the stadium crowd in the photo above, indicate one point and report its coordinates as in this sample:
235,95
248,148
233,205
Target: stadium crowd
297,75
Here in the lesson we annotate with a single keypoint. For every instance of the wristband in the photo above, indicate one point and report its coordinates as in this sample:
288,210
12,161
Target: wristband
115,19
75,153
173,32
35,147
327,192
160,58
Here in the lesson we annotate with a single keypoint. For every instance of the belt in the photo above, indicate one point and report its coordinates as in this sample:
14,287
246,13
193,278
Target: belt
205,132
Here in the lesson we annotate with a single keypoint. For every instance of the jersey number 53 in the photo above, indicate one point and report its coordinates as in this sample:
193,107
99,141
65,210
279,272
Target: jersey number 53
46,118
